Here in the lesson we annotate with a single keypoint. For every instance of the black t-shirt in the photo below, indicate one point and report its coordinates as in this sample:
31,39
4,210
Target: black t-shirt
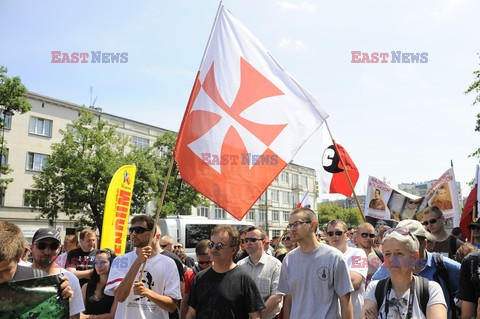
469,288
178,262
230,295
81,260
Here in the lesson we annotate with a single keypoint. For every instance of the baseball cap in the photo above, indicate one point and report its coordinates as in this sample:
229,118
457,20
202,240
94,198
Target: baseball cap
43,233
417,229
475,222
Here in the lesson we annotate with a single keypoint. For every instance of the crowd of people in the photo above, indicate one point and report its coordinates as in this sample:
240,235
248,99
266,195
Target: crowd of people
414,270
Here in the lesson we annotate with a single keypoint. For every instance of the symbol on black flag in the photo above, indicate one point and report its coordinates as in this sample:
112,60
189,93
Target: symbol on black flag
330,157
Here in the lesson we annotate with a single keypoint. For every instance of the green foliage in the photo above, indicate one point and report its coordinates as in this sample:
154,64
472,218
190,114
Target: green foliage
329,211
475,87
76,177
12,100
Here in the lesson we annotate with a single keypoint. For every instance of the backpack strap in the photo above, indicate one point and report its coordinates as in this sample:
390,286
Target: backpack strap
378,253
381,291
442,273
423,293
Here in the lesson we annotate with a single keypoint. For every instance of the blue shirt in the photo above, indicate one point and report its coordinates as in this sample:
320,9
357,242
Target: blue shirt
430,268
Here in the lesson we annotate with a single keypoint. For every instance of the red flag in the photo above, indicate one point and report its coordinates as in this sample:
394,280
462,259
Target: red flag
470,205
333,177
245,120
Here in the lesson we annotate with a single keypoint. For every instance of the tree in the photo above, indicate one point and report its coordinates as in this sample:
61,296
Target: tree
76,176
475,87
180,196
329,211
12,100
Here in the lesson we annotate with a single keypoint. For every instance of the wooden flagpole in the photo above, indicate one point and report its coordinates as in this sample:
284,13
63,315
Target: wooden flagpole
346,173
160,205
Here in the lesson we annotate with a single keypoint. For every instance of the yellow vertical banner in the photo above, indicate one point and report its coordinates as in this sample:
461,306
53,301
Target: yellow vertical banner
117,209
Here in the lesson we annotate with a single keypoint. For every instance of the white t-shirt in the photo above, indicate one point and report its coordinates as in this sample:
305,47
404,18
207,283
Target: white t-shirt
436,297
160,276
76,303
358,258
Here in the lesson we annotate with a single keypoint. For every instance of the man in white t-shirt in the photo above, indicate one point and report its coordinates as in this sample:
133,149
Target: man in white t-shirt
45,248
314,276
355,258
159,290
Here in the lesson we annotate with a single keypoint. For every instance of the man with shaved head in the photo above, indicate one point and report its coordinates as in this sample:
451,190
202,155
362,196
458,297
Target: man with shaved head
365,241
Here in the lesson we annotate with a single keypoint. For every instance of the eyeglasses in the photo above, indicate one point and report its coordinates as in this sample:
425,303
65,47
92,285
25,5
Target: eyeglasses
365,235
52,246
431,221
297,223
204,262
287,238
251,240
218,246
138,229
337,233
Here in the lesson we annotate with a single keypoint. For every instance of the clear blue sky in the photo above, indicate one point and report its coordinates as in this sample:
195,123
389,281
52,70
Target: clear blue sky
401,122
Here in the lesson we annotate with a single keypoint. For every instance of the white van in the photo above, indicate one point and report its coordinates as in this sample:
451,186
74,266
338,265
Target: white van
189,230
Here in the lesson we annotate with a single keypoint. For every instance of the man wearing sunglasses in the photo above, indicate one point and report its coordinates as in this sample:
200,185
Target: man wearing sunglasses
159,290
224,291
264,269
445,244
355,259
202,251
45,249
365,241
427,265
314,276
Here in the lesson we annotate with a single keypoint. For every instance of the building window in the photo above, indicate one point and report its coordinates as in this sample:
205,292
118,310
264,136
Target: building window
251,214
286,216
285,198
295,180
2,203
275,195
202,211
219,213
140,142
36,162
263,196
7,120
304,181
262,215
284,177
40,126
26,198
4,159
276,232
275,216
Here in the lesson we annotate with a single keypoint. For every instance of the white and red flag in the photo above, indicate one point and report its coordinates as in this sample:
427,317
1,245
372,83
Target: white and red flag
471,206
245,120
333,177
305,202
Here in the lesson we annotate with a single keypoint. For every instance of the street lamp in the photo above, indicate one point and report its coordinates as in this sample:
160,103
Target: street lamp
6,112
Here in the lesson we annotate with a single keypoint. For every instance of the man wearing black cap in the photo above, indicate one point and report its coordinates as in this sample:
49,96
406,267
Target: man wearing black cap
45,248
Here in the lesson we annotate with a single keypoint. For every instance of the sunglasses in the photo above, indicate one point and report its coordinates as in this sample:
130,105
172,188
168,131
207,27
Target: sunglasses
138,229
365,235
287,238
251,240
431,221
52,246
177,246
218,246
204,262
337,233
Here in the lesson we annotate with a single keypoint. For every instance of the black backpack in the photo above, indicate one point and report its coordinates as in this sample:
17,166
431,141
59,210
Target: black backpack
421,291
